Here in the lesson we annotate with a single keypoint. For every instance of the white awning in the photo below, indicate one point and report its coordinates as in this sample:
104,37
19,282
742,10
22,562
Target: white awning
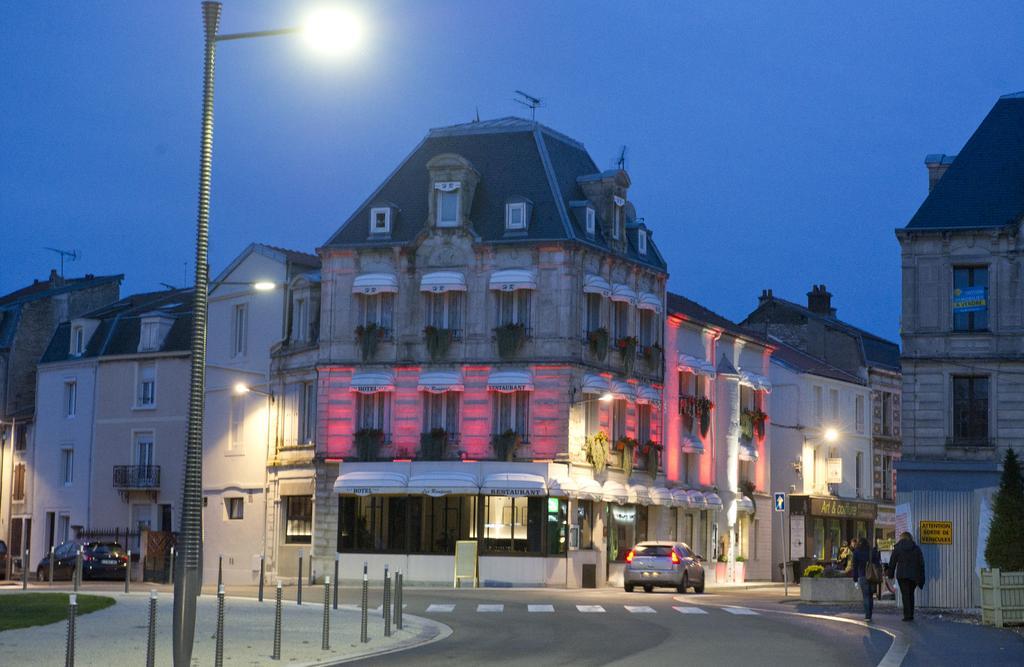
507,280
370,382
562,487
623,390
755,381
509,381
443,281
713,500
647,394
748,452
649,301
744,504
622,292
596,285
590,489
437,483
374,283
697,500
614,492
638,494
695,365
437,382
691,444
679,498
595,384
513,484
661,496
371,482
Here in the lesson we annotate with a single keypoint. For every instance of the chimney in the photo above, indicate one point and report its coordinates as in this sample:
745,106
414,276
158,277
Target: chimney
819,300
937,164
55,279
766,296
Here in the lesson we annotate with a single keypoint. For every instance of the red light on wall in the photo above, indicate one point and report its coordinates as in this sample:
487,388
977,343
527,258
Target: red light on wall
469,461
334,460
401,460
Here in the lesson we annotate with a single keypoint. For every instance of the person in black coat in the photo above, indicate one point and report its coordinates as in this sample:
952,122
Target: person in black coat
906,565
863,556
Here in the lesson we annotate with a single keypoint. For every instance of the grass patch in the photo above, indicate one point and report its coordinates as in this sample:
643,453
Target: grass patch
23,610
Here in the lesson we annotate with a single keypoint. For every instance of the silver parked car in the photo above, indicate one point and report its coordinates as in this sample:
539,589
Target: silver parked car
665,564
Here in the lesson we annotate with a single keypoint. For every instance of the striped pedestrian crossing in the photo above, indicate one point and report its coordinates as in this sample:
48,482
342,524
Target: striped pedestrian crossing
490,608
740,611
590,608
540,608
440,608
633,609
688,609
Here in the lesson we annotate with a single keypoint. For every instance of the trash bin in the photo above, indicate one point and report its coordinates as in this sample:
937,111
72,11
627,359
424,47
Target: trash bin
589,575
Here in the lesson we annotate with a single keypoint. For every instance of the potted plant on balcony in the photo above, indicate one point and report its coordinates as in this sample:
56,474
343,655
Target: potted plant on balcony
368,336
596,449
627,351
438,341
597,340
433,444
747,488
368,442
510,338
752,422
627,446
505,445
651,450
653,355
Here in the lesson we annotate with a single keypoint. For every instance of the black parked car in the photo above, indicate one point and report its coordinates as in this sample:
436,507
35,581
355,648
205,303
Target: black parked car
3,559
100,560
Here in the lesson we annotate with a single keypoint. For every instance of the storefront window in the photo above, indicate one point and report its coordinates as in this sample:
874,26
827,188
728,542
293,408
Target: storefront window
557,526
627,525
437,523
585,520
373,523
513,524
298,519
835,538
818,548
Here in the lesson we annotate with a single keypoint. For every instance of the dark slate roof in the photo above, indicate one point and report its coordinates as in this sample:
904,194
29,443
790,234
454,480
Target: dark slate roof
691,310
984,185
878,352
296,256
802,362
120,324
515,158
42,289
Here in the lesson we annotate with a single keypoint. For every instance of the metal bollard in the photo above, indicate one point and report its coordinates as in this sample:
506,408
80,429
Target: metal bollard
336,555
262,573
51,565
220,571
325,644
170,576
218,652
24,570
298,591
151,635
128,571
398,600
363,637
69,650
77,574
276,655
386,606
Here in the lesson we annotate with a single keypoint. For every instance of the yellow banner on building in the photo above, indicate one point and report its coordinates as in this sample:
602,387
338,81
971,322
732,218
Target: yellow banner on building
935,532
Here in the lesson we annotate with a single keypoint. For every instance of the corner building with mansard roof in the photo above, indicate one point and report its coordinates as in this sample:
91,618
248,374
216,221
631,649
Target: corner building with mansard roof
486,313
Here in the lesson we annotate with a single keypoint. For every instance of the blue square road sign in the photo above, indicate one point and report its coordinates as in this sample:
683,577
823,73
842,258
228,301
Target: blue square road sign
780,502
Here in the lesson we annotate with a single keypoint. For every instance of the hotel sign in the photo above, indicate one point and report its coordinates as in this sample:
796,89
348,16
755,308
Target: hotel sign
846,509
935,532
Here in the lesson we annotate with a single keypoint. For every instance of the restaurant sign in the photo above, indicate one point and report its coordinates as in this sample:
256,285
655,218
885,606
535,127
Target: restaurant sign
846,509
935,532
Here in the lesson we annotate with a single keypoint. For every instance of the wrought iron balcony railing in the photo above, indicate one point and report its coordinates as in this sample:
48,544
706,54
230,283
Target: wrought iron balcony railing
136,477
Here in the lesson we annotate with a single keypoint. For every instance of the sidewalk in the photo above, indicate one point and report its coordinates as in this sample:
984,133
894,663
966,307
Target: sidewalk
117,635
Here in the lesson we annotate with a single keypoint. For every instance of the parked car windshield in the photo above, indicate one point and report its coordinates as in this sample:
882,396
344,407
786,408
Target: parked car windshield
652,550
104,549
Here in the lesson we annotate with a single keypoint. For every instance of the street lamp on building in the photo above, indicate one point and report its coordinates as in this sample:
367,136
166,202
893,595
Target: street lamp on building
321,27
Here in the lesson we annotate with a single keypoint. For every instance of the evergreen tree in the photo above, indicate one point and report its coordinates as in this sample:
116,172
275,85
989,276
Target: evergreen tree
1005,546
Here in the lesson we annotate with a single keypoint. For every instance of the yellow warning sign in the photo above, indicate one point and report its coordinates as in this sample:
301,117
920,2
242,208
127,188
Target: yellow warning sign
935,532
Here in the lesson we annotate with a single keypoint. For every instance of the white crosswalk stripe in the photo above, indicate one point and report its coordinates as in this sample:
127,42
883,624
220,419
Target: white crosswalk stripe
441,608
540,608
740,611
634,609
590,608
689,610
493,608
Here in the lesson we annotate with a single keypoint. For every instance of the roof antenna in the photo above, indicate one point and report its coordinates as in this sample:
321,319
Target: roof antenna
528,101
477,114
72,255
622,159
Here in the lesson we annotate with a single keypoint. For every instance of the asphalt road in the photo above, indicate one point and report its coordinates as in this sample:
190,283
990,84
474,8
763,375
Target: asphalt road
718,629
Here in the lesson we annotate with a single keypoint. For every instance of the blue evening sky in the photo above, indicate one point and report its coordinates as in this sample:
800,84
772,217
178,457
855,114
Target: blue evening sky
770,144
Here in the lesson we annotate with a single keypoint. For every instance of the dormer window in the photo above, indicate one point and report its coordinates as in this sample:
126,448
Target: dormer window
515,216
447,204
616,220
77,340
149,336
380,220
641,241
591,221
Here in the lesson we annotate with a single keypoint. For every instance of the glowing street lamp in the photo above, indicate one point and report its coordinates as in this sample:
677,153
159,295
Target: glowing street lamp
326,27
831,434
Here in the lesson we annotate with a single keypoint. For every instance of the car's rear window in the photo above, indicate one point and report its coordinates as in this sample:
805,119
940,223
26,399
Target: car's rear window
653,550
103,549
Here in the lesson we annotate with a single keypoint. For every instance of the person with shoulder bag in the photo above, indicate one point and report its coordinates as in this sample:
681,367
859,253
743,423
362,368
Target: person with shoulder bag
906,565
863,572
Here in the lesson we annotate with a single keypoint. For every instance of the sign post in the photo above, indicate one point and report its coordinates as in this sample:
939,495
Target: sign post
780,506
